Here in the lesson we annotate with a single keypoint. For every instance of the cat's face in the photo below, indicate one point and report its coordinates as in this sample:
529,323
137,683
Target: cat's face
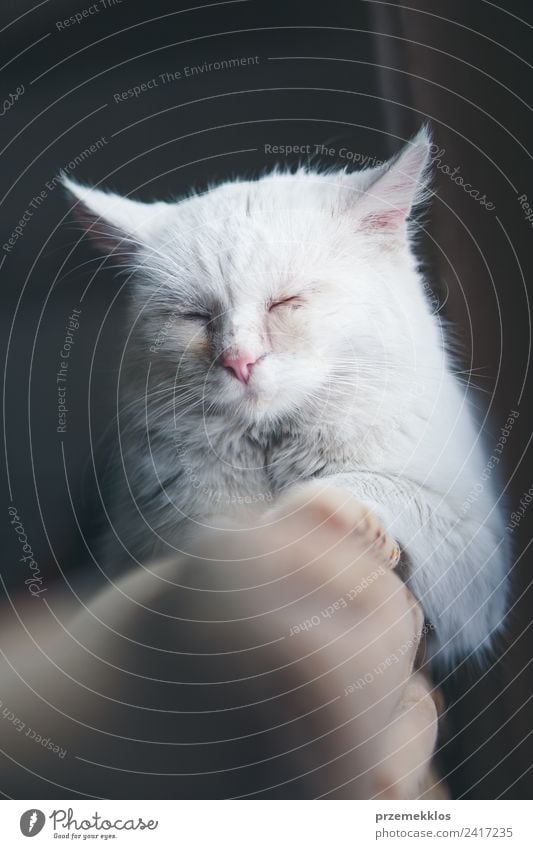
269,297
262,320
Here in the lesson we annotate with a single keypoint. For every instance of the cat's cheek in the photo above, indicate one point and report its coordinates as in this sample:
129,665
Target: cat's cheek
192,341
289,331
280,384
264,380
199,348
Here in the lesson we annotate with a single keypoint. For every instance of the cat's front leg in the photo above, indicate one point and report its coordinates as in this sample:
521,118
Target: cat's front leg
454,564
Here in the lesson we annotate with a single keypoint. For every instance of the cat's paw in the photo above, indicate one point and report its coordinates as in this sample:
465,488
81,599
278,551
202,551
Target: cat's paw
333,509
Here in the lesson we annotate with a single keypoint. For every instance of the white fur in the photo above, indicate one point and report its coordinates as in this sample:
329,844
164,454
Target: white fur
355,386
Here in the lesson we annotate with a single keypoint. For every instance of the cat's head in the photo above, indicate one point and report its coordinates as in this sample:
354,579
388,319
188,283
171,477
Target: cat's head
291,292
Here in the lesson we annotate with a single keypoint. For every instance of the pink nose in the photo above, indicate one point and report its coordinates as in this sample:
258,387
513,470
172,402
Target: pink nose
240,363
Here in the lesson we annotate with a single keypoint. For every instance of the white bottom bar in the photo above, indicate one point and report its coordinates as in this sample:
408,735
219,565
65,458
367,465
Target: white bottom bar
267,824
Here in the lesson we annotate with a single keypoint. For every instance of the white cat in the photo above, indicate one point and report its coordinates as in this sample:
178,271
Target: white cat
280,332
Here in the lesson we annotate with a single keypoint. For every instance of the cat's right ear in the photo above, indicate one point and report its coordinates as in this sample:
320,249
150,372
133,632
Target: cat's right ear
117,225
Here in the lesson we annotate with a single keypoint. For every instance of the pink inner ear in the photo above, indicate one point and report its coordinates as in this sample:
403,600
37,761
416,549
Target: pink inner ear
386,203
389,219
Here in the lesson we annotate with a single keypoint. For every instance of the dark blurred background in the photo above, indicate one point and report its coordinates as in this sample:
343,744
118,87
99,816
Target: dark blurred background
360,75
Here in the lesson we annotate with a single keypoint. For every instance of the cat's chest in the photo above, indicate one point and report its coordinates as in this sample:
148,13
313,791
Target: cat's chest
221,469
253,465
300,456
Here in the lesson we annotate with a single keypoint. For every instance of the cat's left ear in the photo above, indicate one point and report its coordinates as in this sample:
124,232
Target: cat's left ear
388,195
115,223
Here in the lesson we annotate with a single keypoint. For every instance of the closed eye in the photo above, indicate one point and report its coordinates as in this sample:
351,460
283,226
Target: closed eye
196,316
294,301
